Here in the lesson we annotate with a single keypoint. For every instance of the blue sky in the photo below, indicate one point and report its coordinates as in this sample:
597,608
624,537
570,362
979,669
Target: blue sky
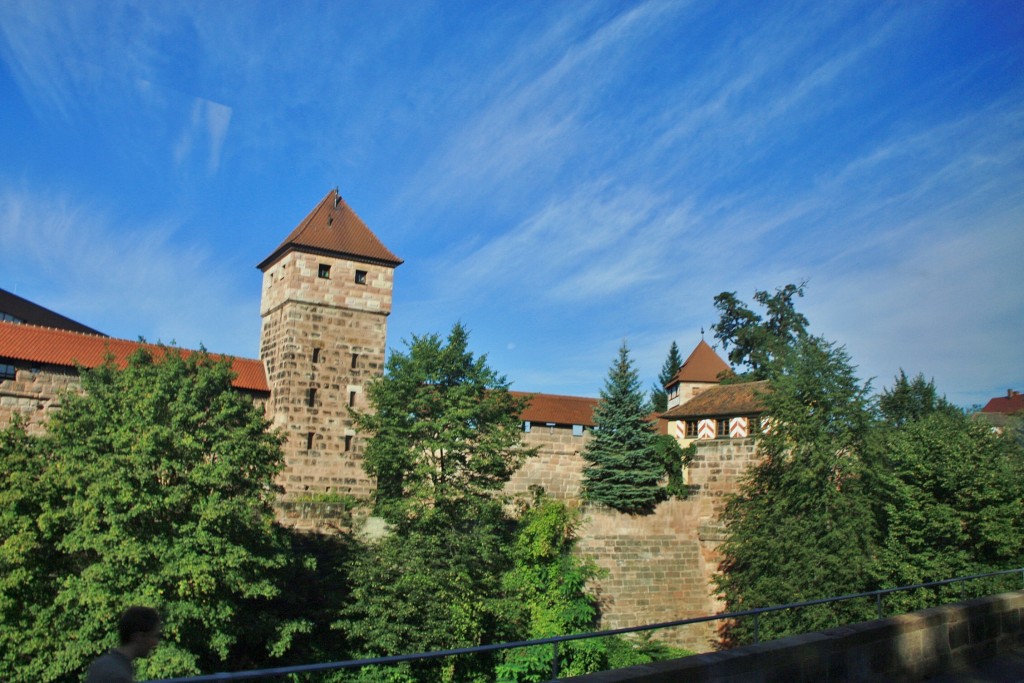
559,176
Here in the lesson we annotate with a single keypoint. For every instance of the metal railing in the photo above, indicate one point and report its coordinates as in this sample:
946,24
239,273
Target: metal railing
282,672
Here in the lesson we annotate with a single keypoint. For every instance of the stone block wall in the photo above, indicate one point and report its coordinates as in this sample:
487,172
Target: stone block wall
656,567
322,340
34,393
558,467
905,649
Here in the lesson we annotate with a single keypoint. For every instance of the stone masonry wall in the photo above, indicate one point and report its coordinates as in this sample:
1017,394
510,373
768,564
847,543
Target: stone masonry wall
34,393
657,567
558,467
322,340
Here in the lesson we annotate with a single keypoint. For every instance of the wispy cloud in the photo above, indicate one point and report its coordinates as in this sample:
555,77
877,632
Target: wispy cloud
134,283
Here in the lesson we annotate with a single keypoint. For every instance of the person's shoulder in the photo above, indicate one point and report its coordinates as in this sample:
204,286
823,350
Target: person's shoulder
112,667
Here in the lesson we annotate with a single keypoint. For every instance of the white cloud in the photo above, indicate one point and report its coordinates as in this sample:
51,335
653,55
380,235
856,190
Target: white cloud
125,281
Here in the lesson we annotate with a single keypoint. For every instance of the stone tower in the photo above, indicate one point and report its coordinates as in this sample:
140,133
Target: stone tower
324,305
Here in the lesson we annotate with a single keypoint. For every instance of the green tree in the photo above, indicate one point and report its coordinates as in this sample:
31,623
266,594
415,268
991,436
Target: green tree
801,526
153,486
446,436
445,428
910,400
659,397
433,584
756,342
949,496
623,467
551,580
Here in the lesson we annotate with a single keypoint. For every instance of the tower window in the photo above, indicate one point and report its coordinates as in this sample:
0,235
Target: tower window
351,398
324,271
360,277
311,398
309,441
316,354
348,442
355,358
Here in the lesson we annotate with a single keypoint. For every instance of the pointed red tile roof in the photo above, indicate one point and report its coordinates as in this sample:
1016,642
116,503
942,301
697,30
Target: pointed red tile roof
334,228
51,346
703,365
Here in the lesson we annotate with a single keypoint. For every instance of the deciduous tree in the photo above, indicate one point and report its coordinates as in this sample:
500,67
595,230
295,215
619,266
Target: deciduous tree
445,429
154,486
755,342
445,438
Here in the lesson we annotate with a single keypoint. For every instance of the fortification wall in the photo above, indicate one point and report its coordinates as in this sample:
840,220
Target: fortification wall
558,466
34,393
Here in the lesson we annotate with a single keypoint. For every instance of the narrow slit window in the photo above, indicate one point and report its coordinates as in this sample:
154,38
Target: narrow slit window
311,398
355,359
324,271
348,443
351,398
316,354
360,277
309,441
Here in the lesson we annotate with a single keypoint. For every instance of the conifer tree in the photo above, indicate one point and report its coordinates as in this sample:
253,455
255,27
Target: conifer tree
624,467
801,526
659,397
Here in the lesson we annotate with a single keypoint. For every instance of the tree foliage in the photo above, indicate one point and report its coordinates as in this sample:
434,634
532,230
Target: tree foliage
154,486
659,397
445,428
853,495
950,492
801,526
757,342
446,437
623,467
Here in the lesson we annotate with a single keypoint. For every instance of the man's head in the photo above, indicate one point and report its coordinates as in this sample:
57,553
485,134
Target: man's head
139,630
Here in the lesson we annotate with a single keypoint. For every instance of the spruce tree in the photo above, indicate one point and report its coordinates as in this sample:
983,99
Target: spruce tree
624,467
659,397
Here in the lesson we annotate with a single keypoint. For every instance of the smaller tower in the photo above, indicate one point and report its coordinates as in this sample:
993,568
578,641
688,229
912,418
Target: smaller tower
324,304
702,369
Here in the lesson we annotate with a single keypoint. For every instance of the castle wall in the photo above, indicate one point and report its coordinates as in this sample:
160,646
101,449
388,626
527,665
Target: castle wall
659,567
558,466
34,393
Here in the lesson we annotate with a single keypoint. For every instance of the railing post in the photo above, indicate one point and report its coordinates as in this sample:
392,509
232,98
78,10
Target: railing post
554,661
878,602
757,628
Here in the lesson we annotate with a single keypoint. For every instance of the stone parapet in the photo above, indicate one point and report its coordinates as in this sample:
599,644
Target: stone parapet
904,649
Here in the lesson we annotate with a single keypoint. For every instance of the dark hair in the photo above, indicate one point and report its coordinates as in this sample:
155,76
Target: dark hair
137,620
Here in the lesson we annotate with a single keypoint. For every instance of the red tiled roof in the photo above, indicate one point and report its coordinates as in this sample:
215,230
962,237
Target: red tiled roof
65,348
722,401
564,410
333,227
703,365
1012,403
